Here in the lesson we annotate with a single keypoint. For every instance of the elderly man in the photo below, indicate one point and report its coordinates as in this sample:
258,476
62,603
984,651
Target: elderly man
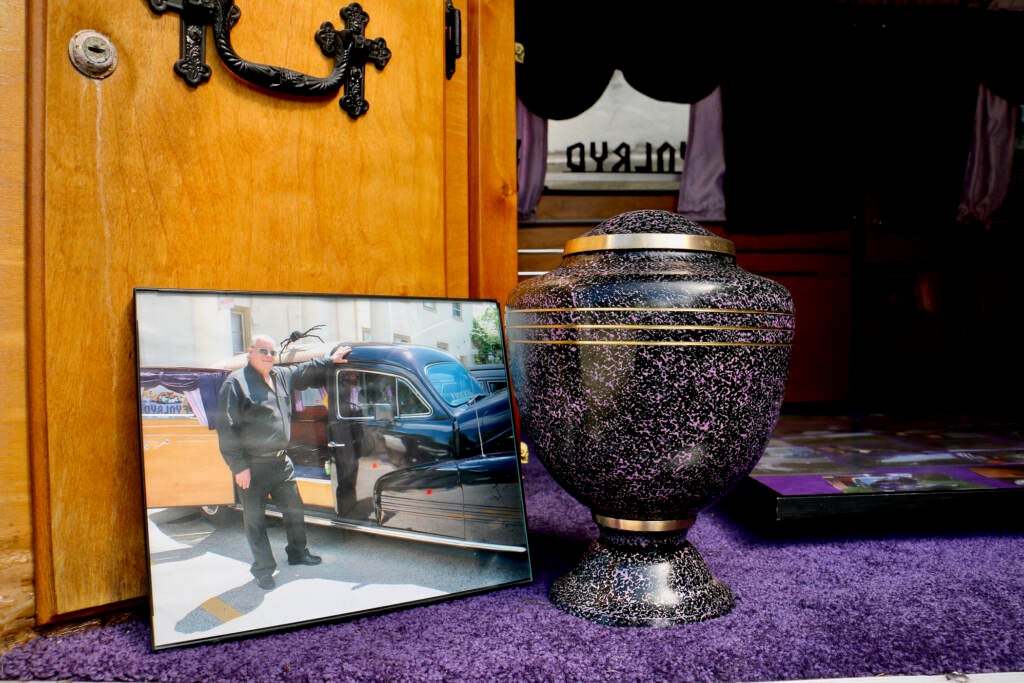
254,429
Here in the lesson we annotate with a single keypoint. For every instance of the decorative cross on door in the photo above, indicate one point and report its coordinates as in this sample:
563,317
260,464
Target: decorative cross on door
349,46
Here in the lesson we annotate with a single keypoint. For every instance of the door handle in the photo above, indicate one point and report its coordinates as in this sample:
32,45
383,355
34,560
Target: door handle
349,47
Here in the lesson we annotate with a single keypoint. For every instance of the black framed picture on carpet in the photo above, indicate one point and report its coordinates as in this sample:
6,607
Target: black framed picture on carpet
310,457
827,467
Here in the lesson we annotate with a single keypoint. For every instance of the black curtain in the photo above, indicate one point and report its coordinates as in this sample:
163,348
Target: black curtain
825,104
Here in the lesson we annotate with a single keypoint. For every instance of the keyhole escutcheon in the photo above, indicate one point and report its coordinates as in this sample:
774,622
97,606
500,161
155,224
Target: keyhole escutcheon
92,53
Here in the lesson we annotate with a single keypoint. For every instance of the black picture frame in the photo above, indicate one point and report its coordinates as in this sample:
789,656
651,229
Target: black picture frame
834,468
410,495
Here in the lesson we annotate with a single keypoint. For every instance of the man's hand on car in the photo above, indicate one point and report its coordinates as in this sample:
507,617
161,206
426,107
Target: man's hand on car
339,355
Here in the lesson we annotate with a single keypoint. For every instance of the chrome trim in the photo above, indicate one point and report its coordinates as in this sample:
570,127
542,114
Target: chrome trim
644,240
406,535
646,525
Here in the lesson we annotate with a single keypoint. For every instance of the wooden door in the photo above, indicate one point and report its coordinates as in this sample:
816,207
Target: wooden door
139,180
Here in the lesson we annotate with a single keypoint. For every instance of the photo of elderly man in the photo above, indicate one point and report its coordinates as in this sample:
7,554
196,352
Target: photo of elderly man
254,430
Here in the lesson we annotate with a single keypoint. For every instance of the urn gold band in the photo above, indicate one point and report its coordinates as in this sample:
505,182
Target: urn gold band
641,240
646,525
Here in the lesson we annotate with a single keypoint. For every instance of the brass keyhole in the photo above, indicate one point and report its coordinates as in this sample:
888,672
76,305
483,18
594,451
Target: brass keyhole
93,54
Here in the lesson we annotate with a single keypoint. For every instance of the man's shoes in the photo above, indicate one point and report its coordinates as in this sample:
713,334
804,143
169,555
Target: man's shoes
267,583
306,558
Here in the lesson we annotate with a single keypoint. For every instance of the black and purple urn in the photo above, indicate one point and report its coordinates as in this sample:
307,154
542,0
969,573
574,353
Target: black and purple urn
649,371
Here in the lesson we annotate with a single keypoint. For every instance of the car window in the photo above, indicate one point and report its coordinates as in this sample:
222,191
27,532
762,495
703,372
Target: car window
359,391
380,388
453,382
354,396
409,402
496,385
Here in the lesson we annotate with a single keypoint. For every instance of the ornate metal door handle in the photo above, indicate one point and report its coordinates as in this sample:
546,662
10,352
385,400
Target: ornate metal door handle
349,47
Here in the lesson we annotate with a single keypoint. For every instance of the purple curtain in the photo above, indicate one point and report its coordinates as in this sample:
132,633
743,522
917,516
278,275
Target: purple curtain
988,164
532,140
987,179
701,189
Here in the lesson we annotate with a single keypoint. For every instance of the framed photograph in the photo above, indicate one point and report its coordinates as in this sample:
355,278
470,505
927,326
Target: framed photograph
309,458
820,467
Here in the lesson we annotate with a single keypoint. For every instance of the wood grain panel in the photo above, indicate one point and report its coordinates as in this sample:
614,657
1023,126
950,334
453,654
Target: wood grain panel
17,597
151,183
601,206
820,285
456,114
490,41
183,465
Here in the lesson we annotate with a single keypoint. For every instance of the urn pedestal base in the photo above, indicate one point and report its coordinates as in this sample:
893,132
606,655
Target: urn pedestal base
641,579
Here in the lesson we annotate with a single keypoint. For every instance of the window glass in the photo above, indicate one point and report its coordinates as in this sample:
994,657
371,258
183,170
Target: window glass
453,382
626,141
409,402
353,399
380,388
238,336
360,392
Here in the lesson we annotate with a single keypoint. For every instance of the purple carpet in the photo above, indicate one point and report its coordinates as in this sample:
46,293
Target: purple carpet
809,605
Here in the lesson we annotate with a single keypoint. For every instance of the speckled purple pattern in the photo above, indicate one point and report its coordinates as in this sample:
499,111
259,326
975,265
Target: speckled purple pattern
655,582
649,381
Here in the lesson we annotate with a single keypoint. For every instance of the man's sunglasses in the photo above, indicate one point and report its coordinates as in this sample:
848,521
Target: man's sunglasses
266,352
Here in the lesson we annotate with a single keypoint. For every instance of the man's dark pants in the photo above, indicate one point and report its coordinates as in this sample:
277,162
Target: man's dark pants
274,477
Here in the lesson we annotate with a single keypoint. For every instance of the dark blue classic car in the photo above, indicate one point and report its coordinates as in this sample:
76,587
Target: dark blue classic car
401,440
492,376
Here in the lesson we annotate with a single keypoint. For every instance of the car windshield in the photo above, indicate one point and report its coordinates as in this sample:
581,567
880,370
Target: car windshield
454,383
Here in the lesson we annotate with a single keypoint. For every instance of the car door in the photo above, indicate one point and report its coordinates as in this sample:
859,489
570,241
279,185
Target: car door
392,417
382,421
492,499
427,498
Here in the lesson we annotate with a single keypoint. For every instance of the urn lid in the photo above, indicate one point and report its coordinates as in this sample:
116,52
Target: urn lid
649,229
